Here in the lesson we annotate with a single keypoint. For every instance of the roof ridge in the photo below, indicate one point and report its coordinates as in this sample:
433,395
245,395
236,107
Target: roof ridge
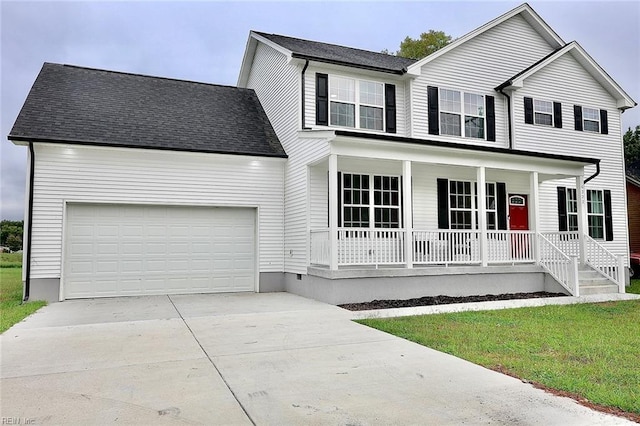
180,80
331,44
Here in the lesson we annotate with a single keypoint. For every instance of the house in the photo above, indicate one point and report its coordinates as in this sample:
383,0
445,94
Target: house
492,165
633,205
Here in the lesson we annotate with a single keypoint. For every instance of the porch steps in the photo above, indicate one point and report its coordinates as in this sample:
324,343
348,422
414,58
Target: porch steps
592,282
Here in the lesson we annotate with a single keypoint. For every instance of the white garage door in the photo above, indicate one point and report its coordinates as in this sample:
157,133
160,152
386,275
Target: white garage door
120,250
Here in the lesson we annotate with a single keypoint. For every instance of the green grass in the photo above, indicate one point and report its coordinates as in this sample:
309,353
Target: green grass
635,287
592,350
10,260
12,310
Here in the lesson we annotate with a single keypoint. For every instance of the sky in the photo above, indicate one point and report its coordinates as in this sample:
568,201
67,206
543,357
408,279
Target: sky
205,41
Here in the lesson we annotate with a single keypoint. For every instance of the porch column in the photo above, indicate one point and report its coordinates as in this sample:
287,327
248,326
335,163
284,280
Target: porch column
333,211
407,215
482,214
581,196
534,212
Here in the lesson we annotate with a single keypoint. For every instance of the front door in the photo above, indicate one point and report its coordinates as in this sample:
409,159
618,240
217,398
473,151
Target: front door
519,221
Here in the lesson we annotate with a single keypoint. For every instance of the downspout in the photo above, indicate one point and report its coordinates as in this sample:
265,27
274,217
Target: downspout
304,69
595,174
508,117
27,279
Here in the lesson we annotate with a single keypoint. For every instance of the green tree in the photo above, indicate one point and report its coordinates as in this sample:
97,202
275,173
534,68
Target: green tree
631,141
14,242
423,46
9,228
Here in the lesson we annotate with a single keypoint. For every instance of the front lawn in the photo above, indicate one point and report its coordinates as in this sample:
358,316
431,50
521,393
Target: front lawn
635,287
589,350
12,310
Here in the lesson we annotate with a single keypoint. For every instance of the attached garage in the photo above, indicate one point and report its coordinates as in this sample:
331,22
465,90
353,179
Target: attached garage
126,250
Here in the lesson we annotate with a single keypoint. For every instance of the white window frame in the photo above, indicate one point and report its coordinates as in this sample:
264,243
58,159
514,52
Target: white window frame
591,215
538,110
357,103
474,204
591,119
372,205
572,209
462,113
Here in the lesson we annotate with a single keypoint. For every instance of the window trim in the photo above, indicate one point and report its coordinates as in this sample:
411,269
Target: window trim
462,113
536,111
474,204
572,199
597,120
602,215
357,103
372,206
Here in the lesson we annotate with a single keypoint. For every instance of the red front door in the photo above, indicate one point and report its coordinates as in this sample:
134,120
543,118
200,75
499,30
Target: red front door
518,212
519,221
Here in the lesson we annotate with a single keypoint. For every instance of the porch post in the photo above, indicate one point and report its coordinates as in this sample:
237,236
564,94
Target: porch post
582,218
407,198
534,213
482,214
333,211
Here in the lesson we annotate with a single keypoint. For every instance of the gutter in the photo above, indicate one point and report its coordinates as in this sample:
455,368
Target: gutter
27,279
593,175
304,69
500,89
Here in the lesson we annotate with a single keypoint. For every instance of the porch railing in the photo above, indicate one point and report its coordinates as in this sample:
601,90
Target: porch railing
320,247
605,262
446,247
370,246
560,266
568,242
510,246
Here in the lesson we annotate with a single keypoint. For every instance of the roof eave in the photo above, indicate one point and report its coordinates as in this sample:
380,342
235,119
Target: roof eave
349,64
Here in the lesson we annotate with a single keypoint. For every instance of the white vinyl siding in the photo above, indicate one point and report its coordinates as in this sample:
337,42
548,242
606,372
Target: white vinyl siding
565,81
277,84
134,176
478,66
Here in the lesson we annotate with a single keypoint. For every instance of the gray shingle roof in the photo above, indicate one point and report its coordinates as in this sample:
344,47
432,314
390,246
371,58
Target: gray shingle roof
90,106
331,53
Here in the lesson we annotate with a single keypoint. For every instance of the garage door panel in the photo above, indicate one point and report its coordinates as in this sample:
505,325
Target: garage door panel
135,250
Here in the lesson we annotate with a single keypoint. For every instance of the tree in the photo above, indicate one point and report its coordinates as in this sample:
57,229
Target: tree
14,242
11,234
631,141
425,45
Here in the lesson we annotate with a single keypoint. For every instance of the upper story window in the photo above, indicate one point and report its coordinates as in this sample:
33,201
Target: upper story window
355,103
591,120
543,112
452,114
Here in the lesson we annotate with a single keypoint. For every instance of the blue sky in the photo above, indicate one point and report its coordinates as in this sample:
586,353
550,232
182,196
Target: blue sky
205,41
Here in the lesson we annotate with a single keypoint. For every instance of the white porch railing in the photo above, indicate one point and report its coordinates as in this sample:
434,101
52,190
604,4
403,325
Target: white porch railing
446,247
510,246
605,262
567,242
560,266
370,246
320,247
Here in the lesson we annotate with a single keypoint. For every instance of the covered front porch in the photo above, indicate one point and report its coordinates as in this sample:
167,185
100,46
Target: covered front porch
420,209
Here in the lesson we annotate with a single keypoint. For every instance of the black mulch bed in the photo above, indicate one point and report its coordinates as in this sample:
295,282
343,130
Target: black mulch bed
443,300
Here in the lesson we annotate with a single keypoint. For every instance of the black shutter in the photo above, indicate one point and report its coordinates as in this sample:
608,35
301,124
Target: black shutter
390,107
604,123
322,99
434,119
528,110
608,217
501,200
491,119
562,209
339,199
557,115
443,203
577,117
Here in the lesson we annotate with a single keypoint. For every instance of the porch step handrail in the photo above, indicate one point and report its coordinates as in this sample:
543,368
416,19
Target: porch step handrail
560,266
606,263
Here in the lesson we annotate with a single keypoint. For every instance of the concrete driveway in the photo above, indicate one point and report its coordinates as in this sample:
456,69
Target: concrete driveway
265,359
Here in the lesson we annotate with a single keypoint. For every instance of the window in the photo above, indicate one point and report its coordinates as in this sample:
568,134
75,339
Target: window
595,213
451,114
543,112
591,120
463,212
358,206
572,210
348,95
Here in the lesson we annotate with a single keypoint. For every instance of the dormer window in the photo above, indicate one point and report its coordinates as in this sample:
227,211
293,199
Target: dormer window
347,95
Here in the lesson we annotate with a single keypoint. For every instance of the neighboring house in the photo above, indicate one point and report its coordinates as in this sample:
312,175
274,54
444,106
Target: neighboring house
144,185
633,206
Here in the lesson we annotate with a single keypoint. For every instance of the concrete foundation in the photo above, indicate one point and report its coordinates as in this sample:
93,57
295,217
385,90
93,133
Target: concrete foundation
271,282
45,289
364,285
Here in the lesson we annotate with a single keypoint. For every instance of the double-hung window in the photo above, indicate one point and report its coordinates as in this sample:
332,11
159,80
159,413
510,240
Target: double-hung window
457,107
356,103
359,206
572,210
591,119
463,202
595,213
543,112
